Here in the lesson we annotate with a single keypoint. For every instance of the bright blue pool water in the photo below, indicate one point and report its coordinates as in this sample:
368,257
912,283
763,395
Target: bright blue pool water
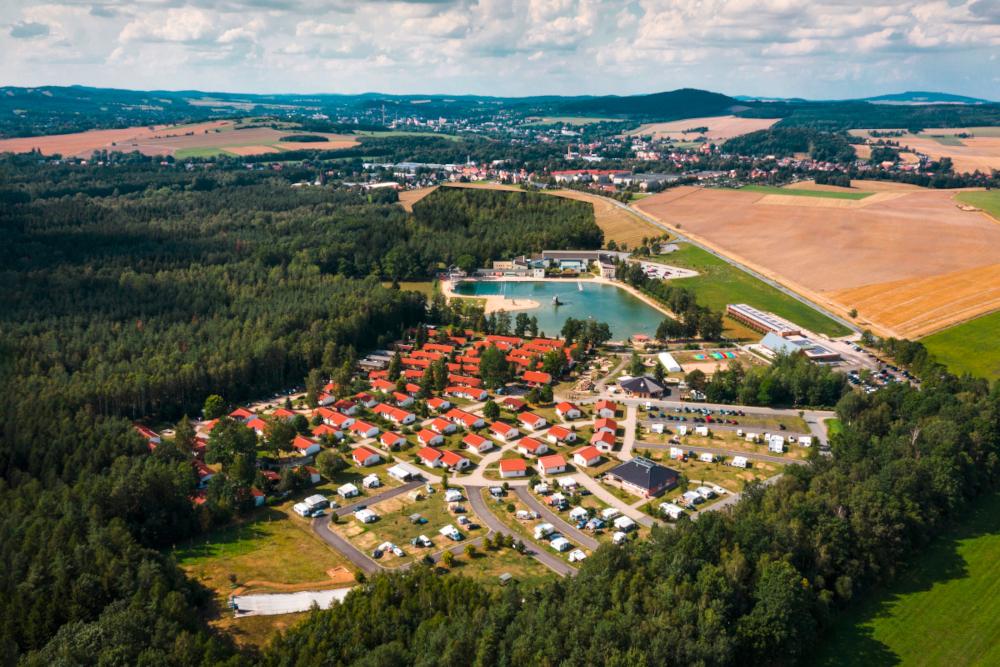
624,313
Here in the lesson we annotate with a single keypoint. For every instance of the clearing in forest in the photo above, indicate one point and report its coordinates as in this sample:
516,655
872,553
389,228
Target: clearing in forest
408,198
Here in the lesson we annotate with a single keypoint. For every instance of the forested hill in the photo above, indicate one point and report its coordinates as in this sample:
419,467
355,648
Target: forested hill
675,104
751,588
786,141
137,291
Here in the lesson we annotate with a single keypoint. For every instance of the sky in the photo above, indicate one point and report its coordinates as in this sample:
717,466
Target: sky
770,48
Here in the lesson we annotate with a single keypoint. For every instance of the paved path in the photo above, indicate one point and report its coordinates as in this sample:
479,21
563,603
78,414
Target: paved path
612,500
561,525
474,494
734,263
726,452
731,499
629,440
398,491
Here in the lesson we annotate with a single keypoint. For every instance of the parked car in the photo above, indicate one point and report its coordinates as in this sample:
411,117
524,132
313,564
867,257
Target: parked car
377,553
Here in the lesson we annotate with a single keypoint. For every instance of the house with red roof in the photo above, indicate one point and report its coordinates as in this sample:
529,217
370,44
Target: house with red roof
200,448
466,419
366,399
257,425
366,457
587,457
438,404
363,429
413,374
470,393
258,497
558,434
532,421
391,440
417,363
383,386
149,434
394,414
403,400
514,404
208,426
606,408
287,415
531,447
429,438
314,475
412,389
335,418
551,465
328,431
510,340
437,347
305,446
503,431
477,444
442,426
326,399
568,410
204,473
605,424
465,380
604,441
430,456
423,354
242,415
345,406
513,468
536,378
455,460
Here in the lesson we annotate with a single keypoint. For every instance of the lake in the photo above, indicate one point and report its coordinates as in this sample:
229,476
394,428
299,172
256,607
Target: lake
624,313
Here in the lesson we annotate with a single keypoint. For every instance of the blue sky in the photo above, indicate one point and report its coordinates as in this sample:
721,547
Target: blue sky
781,48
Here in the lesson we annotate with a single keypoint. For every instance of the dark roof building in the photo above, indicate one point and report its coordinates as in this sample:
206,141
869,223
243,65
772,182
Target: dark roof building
644,478
642,386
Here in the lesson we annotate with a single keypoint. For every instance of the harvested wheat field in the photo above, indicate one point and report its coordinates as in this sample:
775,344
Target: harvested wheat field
408,198
316,145
87,142
626,228
823,202
719,127
600,205
968,154
919,307
825,252
231,141
857,186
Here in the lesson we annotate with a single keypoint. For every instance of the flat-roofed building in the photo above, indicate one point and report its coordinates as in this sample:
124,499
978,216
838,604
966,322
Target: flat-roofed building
761,320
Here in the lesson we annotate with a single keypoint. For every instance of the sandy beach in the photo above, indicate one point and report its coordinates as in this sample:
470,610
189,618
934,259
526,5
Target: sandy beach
494,303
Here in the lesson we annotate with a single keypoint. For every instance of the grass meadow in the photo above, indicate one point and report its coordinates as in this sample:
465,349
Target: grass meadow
944,609
971,347
769,190
719,283
988,201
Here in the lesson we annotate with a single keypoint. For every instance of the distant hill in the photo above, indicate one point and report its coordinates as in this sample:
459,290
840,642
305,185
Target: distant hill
673,105
925,98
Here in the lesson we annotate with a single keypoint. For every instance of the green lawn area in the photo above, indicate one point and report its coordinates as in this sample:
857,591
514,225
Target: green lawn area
572,120
406,134
770,190
486,567
208,151
988,201
943,139
971,347
719,283
424,287
942,610
833,426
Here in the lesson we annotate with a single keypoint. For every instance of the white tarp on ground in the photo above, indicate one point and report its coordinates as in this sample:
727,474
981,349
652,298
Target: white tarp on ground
272,604
669,362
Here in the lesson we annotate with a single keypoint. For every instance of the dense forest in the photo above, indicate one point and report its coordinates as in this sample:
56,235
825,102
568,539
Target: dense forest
838,116
753,587
785,142
136,291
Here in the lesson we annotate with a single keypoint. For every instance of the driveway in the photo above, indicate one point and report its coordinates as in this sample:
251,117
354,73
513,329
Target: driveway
730,500
474,494
566,529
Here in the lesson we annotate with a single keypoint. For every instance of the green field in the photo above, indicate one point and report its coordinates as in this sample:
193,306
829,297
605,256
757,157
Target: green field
972,347
833,426
943,610
426,287
766,189
720,283
208,151
943,139
988,201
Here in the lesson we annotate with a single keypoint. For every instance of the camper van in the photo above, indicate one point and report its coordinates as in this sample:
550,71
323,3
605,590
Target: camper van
543,530
706,458
671,510
740,461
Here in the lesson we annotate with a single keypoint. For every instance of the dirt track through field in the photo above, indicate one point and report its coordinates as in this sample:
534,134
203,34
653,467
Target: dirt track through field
84,143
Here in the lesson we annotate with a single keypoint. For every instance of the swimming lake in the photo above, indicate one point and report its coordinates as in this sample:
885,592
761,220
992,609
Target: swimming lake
624,313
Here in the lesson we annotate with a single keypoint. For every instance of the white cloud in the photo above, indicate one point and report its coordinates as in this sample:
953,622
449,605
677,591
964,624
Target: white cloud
174,25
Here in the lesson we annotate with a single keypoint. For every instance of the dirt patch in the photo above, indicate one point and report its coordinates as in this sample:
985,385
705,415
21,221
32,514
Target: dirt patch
353,529
251,150
857,186
408,198
719,127
392,505
365,540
